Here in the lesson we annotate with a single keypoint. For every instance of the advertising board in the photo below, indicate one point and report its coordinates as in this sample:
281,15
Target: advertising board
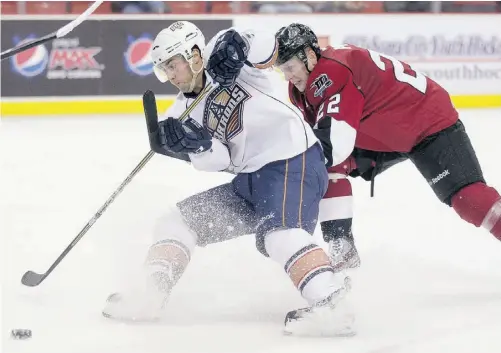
99,58
103,66
461,52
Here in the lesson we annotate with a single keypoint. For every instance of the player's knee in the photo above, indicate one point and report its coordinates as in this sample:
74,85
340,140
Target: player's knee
336,210
307,265
344,168
269,225
479,205
338,186
171,251
337,204
195,218
173,236
303,221
281,244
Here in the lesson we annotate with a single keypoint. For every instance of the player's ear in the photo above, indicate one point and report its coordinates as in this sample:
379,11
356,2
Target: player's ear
312,58
197,59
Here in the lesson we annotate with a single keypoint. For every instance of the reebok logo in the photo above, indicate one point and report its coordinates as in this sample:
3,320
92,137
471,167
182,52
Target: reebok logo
265,218
439,177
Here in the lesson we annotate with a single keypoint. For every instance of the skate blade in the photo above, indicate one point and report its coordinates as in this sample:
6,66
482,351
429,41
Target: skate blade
347,334
316,331
132,320
116,297
323,322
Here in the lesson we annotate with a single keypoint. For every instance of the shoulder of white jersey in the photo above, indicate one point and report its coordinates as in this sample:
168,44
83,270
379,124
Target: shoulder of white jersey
177,107
263,50
265,80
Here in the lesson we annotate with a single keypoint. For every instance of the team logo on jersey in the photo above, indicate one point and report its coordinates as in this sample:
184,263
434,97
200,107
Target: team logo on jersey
320,85
223,113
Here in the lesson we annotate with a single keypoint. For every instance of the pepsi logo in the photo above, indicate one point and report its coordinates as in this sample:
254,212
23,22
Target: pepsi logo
137,57
30,62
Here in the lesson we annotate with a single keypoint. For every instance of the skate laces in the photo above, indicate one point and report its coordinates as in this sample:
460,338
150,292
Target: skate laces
332,300
336,247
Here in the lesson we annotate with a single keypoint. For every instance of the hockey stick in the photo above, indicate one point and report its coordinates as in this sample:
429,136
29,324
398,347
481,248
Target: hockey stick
32,279
61,32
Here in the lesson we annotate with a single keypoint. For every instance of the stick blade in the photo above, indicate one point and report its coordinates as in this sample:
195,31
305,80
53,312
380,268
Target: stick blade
151,115
150,111
32,279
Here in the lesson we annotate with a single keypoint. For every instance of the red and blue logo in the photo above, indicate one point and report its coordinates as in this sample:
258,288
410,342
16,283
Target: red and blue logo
137,57
31,62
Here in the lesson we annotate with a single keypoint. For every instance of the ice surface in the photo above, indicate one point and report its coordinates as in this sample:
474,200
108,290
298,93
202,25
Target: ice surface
428,283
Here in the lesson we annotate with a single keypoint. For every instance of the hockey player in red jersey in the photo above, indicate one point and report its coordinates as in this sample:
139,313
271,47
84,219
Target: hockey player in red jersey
371,111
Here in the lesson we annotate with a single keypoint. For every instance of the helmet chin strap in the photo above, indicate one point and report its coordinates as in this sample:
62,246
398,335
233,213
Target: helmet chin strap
195,75
302,56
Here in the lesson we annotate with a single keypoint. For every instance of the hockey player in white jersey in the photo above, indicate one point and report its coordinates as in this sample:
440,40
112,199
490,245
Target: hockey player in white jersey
246,125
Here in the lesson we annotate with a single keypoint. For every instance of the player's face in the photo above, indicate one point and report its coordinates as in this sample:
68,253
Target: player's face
295,72
178,72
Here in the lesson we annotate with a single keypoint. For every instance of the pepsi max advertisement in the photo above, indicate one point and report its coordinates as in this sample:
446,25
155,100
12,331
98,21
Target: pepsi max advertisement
100,57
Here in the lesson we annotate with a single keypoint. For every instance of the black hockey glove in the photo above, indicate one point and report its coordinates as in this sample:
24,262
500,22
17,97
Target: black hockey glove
228,57
182,137
365,162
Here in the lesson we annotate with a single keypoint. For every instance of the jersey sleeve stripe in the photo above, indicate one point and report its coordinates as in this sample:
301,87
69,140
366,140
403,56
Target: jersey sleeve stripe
284,202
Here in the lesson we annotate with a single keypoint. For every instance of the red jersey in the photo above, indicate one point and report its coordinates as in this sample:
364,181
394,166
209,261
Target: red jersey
389,106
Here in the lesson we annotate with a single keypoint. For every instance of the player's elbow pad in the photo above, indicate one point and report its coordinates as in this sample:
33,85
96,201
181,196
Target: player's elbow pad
263,48
216,159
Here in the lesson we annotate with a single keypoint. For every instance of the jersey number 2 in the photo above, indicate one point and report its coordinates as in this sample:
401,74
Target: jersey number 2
332,106
418,81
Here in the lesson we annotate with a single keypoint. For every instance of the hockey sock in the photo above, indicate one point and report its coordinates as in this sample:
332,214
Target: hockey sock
170,254
166,262
480,205
306,264
336,210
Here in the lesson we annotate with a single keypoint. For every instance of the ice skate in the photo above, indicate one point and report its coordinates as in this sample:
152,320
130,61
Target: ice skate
332,317
343,254
140,304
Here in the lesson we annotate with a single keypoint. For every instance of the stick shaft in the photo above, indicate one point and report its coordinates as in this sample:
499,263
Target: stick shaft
35,279
31,278
32,43
61,32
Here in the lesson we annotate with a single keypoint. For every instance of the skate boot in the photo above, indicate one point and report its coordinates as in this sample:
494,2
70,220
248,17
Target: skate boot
331,317
343,254
342,251
141,304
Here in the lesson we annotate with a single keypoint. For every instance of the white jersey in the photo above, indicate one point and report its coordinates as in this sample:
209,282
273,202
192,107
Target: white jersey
253,123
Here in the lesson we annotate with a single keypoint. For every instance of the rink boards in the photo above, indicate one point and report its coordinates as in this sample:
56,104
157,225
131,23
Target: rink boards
87,106
104,66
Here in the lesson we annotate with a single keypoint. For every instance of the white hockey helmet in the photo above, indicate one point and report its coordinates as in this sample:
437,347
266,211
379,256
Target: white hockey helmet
179,38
